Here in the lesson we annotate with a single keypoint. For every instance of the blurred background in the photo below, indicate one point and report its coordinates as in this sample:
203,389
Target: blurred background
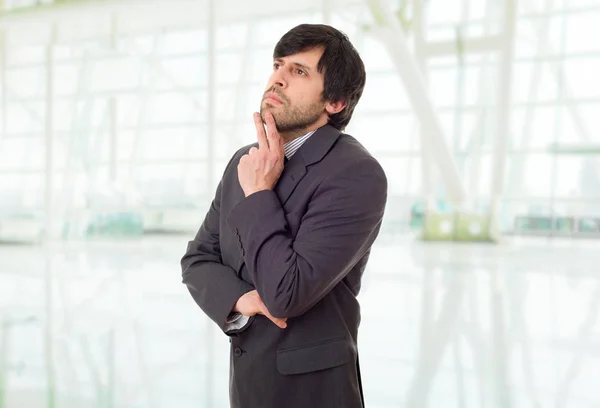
118,117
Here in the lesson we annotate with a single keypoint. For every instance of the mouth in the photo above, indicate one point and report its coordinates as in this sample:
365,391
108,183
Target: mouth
273,99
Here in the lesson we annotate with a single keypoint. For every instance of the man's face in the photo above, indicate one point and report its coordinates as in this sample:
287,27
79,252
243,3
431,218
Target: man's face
294,91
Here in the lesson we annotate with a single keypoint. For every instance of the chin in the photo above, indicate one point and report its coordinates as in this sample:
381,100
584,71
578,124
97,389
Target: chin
267,105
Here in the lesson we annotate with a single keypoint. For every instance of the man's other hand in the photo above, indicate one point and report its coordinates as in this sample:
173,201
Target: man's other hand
250,304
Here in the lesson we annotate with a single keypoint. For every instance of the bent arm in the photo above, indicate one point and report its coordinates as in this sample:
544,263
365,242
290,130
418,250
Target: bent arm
341,224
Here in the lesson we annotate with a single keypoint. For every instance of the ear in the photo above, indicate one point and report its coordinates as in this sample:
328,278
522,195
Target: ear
334,107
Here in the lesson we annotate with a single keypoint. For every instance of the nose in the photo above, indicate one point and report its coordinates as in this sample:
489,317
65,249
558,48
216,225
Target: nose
279,79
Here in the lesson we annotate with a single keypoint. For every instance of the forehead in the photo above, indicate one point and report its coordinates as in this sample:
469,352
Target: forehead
309,58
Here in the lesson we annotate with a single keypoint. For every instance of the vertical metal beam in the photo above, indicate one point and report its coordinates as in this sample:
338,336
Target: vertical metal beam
49,332
475,336
499,164
428,306
212,93
49,216
459,369
210,171
478,133
460,86
560,100
502,395
504,106
110,368
426,157
112,141
3,82
3,360
112,109
48,135
391,34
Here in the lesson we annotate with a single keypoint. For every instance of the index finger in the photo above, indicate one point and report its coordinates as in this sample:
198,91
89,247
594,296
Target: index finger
263,143
272,133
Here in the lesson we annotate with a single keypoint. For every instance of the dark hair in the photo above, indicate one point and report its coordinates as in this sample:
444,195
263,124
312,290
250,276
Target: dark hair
344,70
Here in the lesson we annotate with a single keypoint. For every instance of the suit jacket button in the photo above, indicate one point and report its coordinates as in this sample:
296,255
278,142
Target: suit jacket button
237,352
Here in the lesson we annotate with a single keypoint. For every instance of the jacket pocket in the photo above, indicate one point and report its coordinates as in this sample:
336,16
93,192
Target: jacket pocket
306,359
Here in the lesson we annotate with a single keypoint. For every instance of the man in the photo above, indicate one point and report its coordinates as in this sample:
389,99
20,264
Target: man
278,260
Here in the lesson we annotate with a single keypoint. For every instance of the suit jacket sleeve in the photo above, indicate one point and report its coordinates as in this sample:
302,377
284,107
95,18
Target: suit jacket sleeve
215,287
342,221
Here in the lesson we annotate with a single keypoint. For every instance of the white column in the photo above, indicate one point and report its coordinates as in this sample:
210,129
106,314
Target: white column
112,110
478,132
48,136
49,331
212,94
209,335
3,359
3,83
112,141
426,156
504,106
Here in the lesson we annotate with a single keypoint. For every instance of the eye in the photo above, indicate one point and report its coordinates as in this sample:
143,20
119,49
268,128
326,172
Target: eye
300,72
276,65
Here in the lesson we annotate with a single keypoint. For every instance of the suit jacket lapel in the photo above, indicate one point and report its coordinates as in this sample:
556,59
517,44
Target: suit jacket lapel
312,151
292,173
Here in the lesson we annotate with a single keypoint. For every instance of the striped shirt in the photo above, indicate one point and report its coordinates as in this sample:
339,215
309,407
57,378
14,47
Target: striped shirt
292,147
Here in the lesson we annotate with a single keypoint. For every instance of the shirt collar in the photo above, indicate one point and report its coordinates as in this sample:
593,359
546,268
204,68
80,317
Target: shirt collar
291,147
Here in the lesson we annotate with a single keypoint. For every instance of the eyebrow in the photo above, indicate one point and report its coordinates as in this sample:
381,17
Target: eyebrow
298,64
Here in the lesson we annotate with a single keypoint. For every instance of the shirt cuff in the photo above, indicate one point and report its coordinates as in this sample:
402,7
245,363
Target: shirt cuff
233,317
236,322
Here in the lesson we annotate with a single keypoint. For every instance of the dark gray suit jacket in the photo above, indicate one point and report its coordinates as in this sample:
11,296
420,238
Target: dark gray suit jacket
303,247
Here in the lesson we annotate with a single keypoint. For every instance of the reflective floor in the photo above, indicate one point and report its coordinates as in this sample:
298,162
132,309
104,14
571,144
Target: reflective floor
109,324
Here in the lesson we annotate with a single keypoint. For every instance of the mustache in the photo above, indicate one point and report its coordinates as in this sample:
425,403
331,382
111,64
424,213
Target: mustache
276,92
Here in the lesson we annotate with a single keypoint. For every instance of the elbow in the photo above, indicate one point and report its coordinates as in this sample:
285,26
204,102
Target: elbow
283,312
189,265
186,264
283,306
187,260
288,297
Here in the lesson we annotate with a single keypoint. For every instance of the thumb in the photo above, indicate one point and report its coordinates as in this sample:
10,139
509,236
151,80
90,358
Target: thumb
279,322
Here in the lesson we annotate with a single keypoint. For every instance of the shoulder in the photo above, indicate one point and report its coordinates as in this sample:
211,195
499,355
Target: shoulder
351,157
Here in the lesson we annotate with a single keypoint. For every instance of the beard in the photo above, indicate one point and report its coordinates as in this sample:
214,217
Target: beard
293,118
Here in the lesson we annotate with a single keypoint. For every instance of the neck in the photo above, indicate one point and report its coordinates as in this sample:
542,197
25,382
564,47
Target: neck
289,136
294,134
